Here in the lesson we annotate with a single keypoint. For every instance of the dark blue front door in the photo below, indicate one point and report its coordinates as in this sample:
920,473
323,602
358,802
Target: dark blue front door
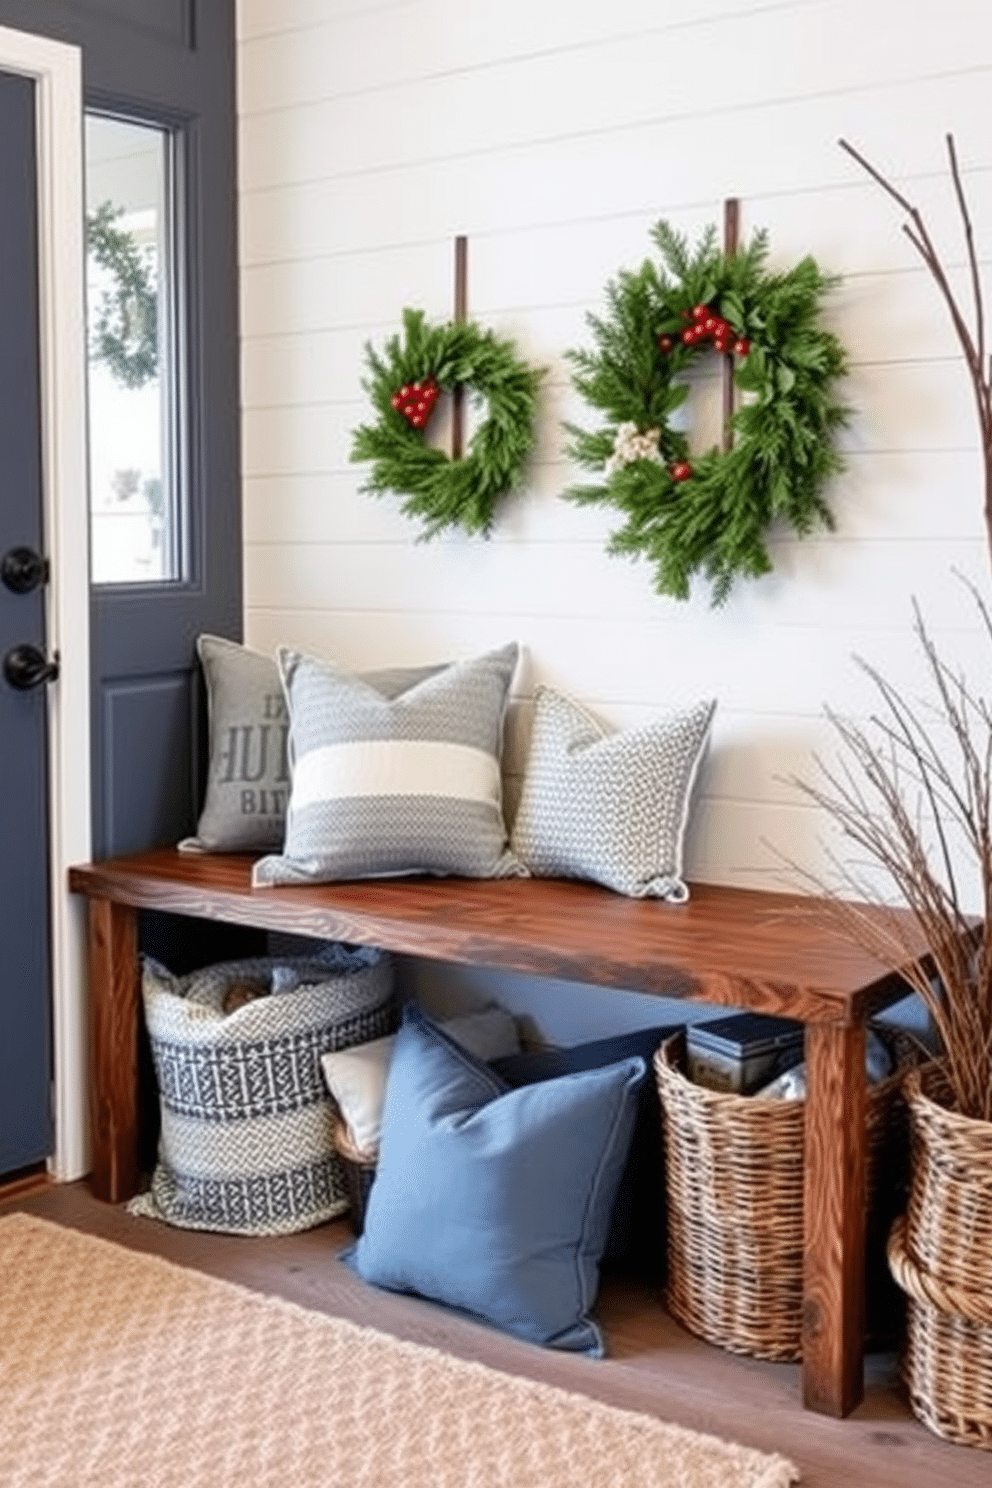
25,993
169,63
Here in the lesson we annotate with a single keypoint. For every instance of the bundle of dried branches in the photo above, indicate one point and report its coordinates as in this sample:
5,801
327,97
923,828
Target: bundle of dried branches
913,788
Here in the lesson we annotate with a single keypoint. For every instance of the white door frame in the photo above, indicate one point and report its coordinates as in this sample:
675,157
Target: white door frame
56,70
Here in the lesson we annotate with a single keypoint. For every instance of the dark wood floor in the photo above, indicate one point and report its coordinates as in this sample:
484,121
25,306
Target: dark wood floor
653,1365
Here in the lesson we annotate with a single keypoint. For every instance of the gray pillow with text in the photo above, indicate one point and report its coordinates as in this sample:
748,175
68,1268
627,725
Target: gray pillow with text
247,793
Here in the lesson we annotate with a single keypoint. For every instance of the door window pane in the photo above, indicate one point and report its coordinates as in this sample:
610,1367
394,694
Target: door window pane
135,506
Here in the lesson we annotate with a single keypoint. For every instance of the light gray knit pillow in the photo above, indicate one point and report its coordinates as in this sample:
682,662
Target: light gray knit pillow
611,807
404,785
244,809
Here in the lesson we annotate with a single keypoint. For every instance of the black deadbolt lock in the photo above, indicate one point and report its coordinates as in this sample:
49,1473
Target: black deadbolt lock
22,569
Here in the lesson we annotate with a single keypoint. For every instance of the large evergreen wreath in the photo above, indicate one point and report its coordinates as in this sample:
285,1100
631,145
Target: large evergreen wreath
710,514
404,383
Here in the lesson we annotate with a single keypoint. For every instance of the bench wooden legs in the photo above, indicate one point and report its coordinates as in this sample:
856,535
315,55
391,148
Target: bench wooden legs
834,1223
114,991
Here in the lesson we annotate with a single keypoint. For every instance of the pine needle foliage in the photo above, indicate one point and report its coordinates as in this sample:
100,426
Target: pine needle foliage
441,492
716,522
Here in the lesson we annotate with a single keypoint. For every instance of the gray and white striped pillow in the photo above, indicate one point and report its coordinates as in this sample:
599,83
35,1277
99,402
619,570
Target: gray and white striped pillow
382,786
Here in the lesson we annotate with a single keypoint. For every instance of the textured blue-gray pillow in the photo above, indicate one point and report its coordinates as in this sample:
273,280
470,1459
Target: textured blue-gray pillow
408,784
611,807
497,1201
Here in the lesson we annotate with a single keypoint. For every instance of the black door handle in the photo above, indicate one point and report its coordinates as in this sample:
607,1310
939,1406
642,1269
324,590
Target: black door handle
25,667
22,569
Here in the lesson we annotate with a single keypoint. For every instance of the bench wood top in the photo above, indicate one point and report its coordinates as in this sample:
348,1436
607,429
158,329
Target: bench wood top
750,948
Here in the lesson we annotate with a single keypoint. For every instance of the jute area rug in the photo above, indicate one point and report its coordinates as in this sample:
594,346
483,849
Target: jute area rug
119,1369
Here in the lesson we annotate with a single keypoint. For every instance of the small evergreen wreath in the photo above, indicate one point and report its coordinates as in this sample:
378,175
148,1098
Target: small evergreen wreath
125,321
404,384
710,514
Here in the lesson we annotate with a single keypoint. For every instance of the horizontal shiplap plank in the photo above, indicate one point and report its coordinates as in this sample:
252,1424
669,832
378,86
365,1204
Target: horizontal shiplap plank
880,498
663,167
756,662
651,71
887,324
323,50
432,32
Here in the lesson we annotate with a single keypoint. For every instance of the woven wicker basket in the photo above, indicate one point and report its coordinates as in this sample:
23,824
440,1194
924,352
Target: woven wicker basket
734,1184
939,1255
359,1171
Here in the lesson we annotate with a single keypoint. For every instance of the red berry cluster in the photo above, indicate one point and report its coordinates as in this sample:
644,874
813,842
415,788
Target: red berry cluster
415,401
704,325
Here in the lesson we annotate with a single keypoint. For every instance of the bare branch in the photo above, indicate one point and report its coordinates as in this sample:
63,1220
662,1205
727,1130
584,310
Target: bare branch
886,185
972,344
969,237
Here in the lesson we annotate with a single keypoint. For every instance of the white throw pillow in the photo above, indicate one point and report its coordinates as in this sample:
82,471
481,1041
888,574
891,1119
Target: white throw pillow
356,1077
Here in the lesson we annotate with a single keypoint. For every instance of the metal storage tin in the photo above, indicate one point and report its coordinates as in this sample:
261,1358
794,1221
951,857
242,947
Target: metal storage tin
743,1051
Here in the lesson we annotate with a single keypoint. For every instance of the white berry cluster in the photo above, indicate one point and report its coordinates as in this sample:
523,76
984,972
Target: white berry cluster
630,446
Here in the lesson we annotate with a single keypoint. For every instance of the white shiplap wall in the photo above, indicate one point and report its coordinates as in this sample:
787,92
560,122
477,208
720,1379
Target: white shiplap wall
554,135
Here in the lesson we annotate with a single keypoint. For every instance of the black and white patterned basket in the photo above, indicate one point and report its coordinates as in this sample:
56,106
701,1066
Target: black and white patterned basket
246,1144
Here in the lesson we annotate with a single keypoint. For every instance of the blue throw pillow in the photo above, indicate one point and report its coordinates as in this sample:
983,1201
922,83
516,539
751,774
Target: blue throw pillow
493,1200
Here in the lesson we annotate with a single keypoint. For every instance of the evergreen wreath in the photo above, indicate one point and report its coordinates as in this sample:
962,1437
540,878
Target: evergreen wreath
404,383
125,329
710,514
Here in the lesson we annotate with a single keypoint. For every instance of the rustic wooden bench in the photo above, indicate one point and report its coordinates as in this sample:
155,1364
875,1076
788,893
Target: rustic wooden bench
743,948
